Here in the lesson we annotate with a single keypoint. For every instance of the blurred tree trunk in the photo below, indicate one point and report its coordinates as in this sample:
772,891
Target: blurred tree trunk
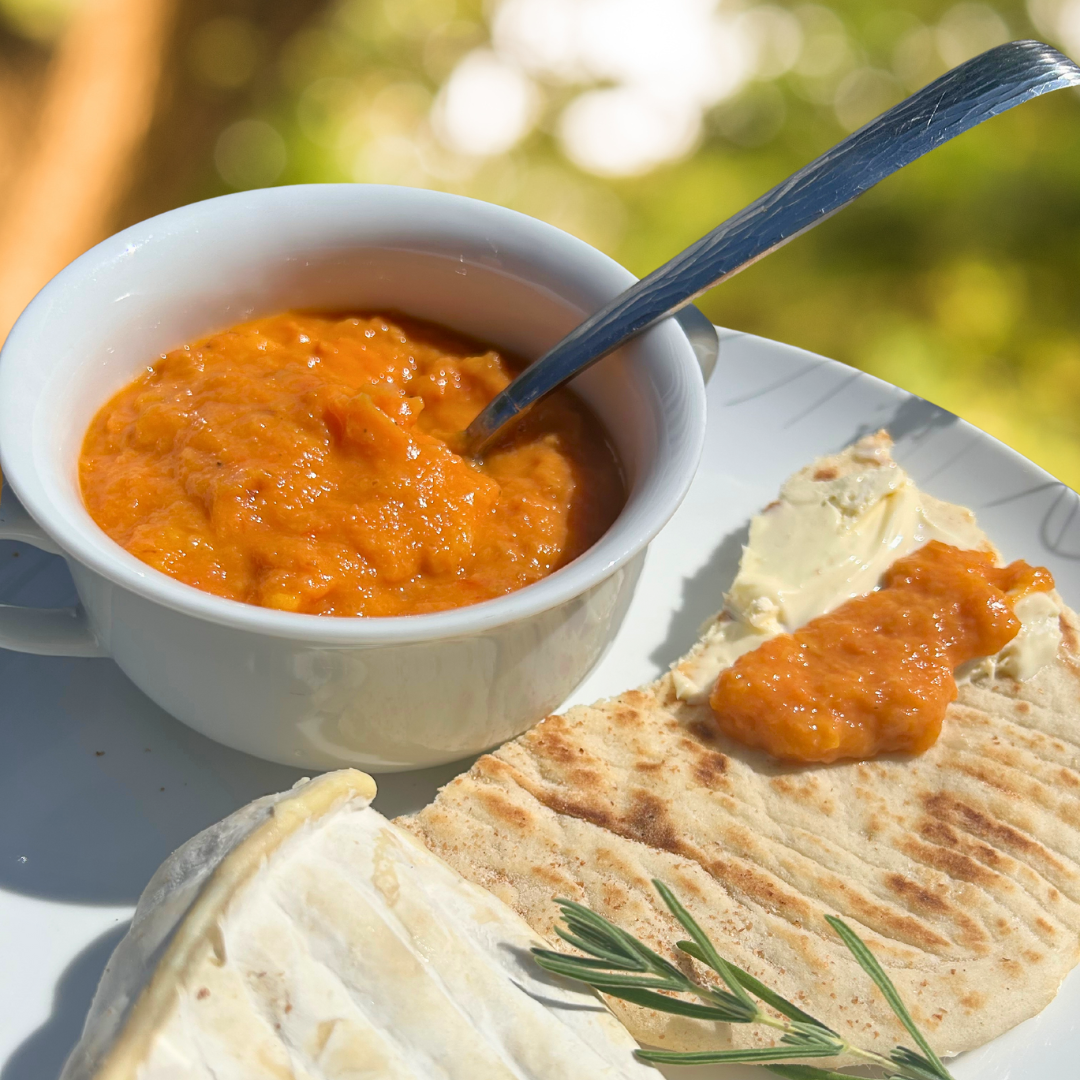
114,127
97,105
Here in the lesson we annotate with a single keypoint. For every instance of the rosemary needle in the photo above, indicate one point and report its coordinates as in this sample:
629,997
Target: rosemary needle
616,963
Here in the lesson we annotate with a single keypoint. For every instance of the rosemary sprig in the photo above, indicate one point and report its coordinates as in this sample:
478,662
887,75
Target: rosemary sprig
616,963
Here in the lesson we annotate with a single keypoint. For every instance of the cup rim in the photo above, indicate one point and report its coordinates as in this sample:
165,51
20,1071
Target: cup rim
604,558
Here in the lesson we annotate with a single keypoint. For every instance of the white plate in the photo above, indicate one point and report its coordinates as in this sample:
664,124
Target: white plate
97,785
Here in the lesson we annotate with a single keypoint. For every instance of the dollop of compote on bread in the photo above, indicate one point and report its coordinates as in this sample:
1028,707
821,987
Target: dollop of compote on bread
836,527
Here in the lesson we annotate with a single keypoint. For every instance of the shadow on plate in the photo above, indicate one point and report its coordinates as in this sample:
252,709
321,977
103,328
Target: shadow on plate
913,420
702,597
43,1054
98,785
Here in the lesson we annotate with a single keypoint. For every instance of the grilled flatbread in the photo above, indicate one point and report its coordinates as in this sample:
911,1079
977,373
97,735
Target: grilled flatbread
960,867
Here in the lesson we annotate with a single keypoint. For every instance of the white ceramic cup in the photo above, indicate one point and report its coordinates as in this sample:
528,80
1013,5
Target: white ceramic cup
307,690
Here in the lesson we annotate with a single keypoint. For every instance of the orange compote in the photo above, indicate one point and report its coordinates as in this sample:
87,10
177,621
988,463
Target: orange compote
876,674
300,462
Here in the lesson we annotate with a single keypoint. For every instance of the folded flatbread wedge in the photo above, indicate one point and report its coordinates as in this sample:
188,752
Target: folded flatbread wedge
960,867
305,937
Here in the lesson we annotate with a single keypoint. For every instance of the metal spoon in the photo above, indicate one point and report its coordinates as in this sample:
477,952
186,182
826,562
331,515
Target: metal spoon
962,98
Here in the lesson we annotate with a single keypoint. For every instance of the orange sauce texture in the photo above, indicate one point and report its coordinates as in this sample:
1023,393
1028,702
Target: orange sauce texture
876,674
300,462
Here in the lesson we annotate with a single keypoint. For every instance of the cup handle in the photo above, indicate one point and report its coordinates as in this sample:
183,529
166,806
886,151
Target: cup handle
42,631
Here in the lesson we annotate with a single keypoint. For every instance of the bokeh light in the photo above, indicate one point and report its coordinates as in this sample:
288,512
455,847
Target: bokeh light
486,105
250,154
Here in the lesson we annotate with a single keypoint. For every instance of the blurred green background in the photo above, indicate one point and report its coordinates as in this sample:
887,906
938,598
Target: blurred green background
637,125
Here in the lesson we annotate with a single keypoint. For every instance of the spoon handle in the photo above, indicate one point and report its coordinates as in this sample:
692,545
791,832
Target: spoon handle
967,95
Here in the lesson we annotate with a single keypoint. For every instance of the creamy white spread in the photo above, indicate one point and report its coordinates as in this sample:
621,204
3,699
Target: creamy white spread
354,952
1034,646
836,528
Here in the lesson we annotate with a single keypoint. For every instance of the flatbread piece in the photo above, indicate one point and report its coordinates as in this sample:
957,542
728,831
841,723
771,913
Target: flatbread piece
960,868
